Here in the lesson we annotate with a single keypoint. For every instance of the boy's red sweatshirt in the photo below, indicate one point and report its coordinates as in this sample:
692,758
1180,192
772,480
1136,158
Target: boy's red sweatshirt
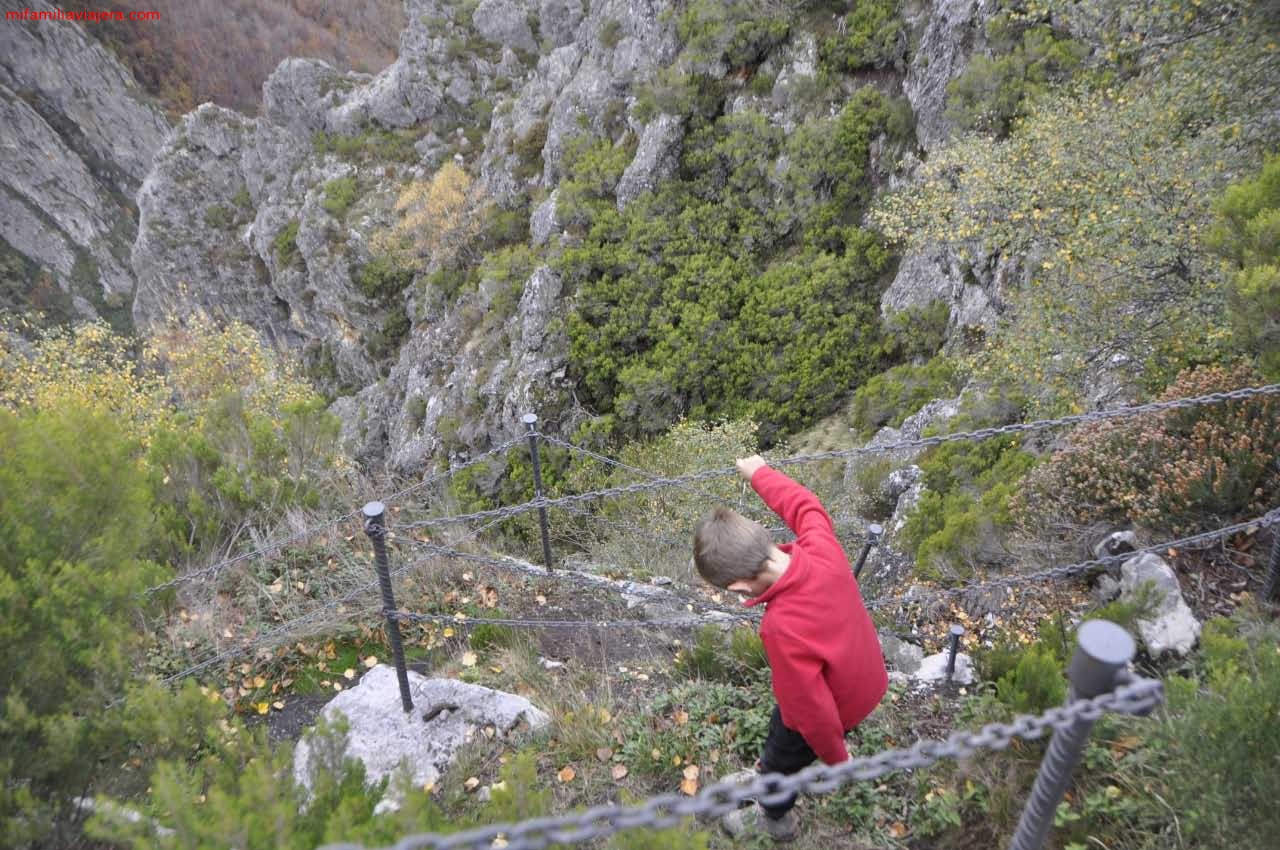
828,668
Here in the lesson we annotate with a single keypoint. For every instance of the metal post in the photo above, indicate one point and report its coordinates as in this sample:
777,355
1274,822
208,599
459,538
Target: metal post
374,527
874,530
1099,663
1272,583
957,632
531,421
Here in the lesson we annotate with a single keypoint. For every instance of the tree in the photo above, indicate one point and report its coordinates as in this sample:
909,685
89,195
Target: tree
75,519
438,219
1105,192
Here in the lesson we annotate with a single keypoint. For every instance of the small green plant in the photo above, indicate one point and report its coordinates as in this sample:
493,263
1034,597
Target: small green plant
889,398
340,194
874,37
382,278
1035,683
487,636
611,33
218,216
285,244
528,149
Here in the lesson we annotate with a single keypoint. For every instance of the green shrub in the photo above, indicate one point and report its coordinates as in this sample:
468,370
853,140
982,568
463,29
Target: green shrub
918,332
485,636
889,398
382,278
340,194
285,244
684,294
874,37
385,342
739,33
1222,753
528,150
76,525
219,217
737,657
611,33
1249,236
1027,59
1035,683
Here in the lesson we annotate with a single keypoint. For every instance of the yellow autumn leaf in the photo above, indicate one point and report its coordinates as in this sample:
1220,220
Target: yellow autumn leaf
692,772
566,774
689,787
468,659
263,707
448,631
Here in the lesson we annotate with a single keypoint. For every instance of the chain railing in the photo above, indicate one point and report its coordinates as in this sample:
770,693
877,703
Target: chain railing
1100,684
1071,721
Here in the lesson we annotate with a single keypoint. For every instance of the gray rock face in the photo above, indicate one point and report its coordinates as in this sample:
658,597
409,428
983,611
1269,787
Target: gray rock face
581,86
1171,627
944,32
973,290
382,736
900,655
76,139
505,22
656,159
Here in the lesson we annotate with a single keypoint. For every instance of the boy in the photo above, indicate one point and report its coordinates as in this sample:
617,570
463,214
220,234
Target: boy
828,668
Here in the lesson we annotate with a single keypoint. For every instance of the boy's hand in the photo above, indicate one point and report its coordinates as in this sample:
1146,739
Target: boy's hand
747,466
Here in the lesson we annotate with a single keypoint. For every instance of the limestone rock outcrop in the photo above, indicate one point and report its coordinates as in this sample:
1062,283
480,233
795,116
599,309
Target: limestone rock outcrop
76,139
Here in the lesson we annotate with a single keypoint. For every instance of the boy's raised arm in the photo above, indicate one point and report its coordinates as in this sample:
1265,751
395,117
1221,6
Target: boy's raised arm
794,503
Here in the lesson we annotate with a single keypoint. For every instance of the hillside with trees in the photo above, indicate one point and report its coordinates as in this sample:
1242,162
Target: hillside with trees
208,50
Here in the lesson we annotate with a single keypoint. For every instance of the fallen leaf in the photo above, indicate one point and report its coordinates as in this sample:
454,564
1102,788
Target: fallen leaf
495,669
689,787
278,705
604,715
566,774
898,829
371,661
468,659
681,717
655,754
263,707
540,599
498,842
489,732
604,754
692,771
471,784
448,631
619,772
349,674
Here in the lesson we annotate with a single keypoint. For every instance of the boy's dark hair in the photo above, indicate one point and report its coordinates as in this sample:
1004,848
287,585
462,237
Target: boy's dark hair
728,547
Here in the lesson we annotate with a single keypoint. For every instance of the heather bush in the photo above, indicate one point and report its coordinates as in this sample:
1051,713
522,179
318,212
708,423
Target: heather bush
1177,471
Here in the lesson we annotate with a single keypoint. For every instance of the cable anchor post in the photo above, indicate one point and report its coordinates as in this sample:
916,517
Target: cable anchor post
874,531
374,526
531,422
1100,664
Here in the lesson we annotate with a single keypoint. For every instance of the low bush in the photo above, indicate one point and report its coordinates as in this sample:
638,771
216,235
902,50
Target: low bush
889,398
339,195
1177,471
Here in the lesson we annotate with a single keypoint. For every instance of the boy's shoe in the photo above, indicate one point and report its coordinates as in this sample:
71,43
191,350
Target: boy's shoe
743,822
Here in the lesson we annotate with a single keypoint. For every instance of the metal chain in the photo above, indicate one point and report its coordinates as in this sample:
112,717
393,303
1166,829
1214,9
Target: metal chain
590,581
515,622
1072,570
608,461
454,470
669,810
272,546
923,442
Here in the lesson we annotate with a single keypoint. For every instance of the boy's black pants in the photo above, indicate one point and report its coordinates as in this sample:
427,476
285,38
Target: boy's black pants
785,751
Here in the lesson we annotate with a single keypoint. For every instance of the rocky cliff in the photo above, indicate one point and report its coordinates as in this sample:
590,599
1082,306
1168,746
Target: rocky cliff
273,220
76,140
